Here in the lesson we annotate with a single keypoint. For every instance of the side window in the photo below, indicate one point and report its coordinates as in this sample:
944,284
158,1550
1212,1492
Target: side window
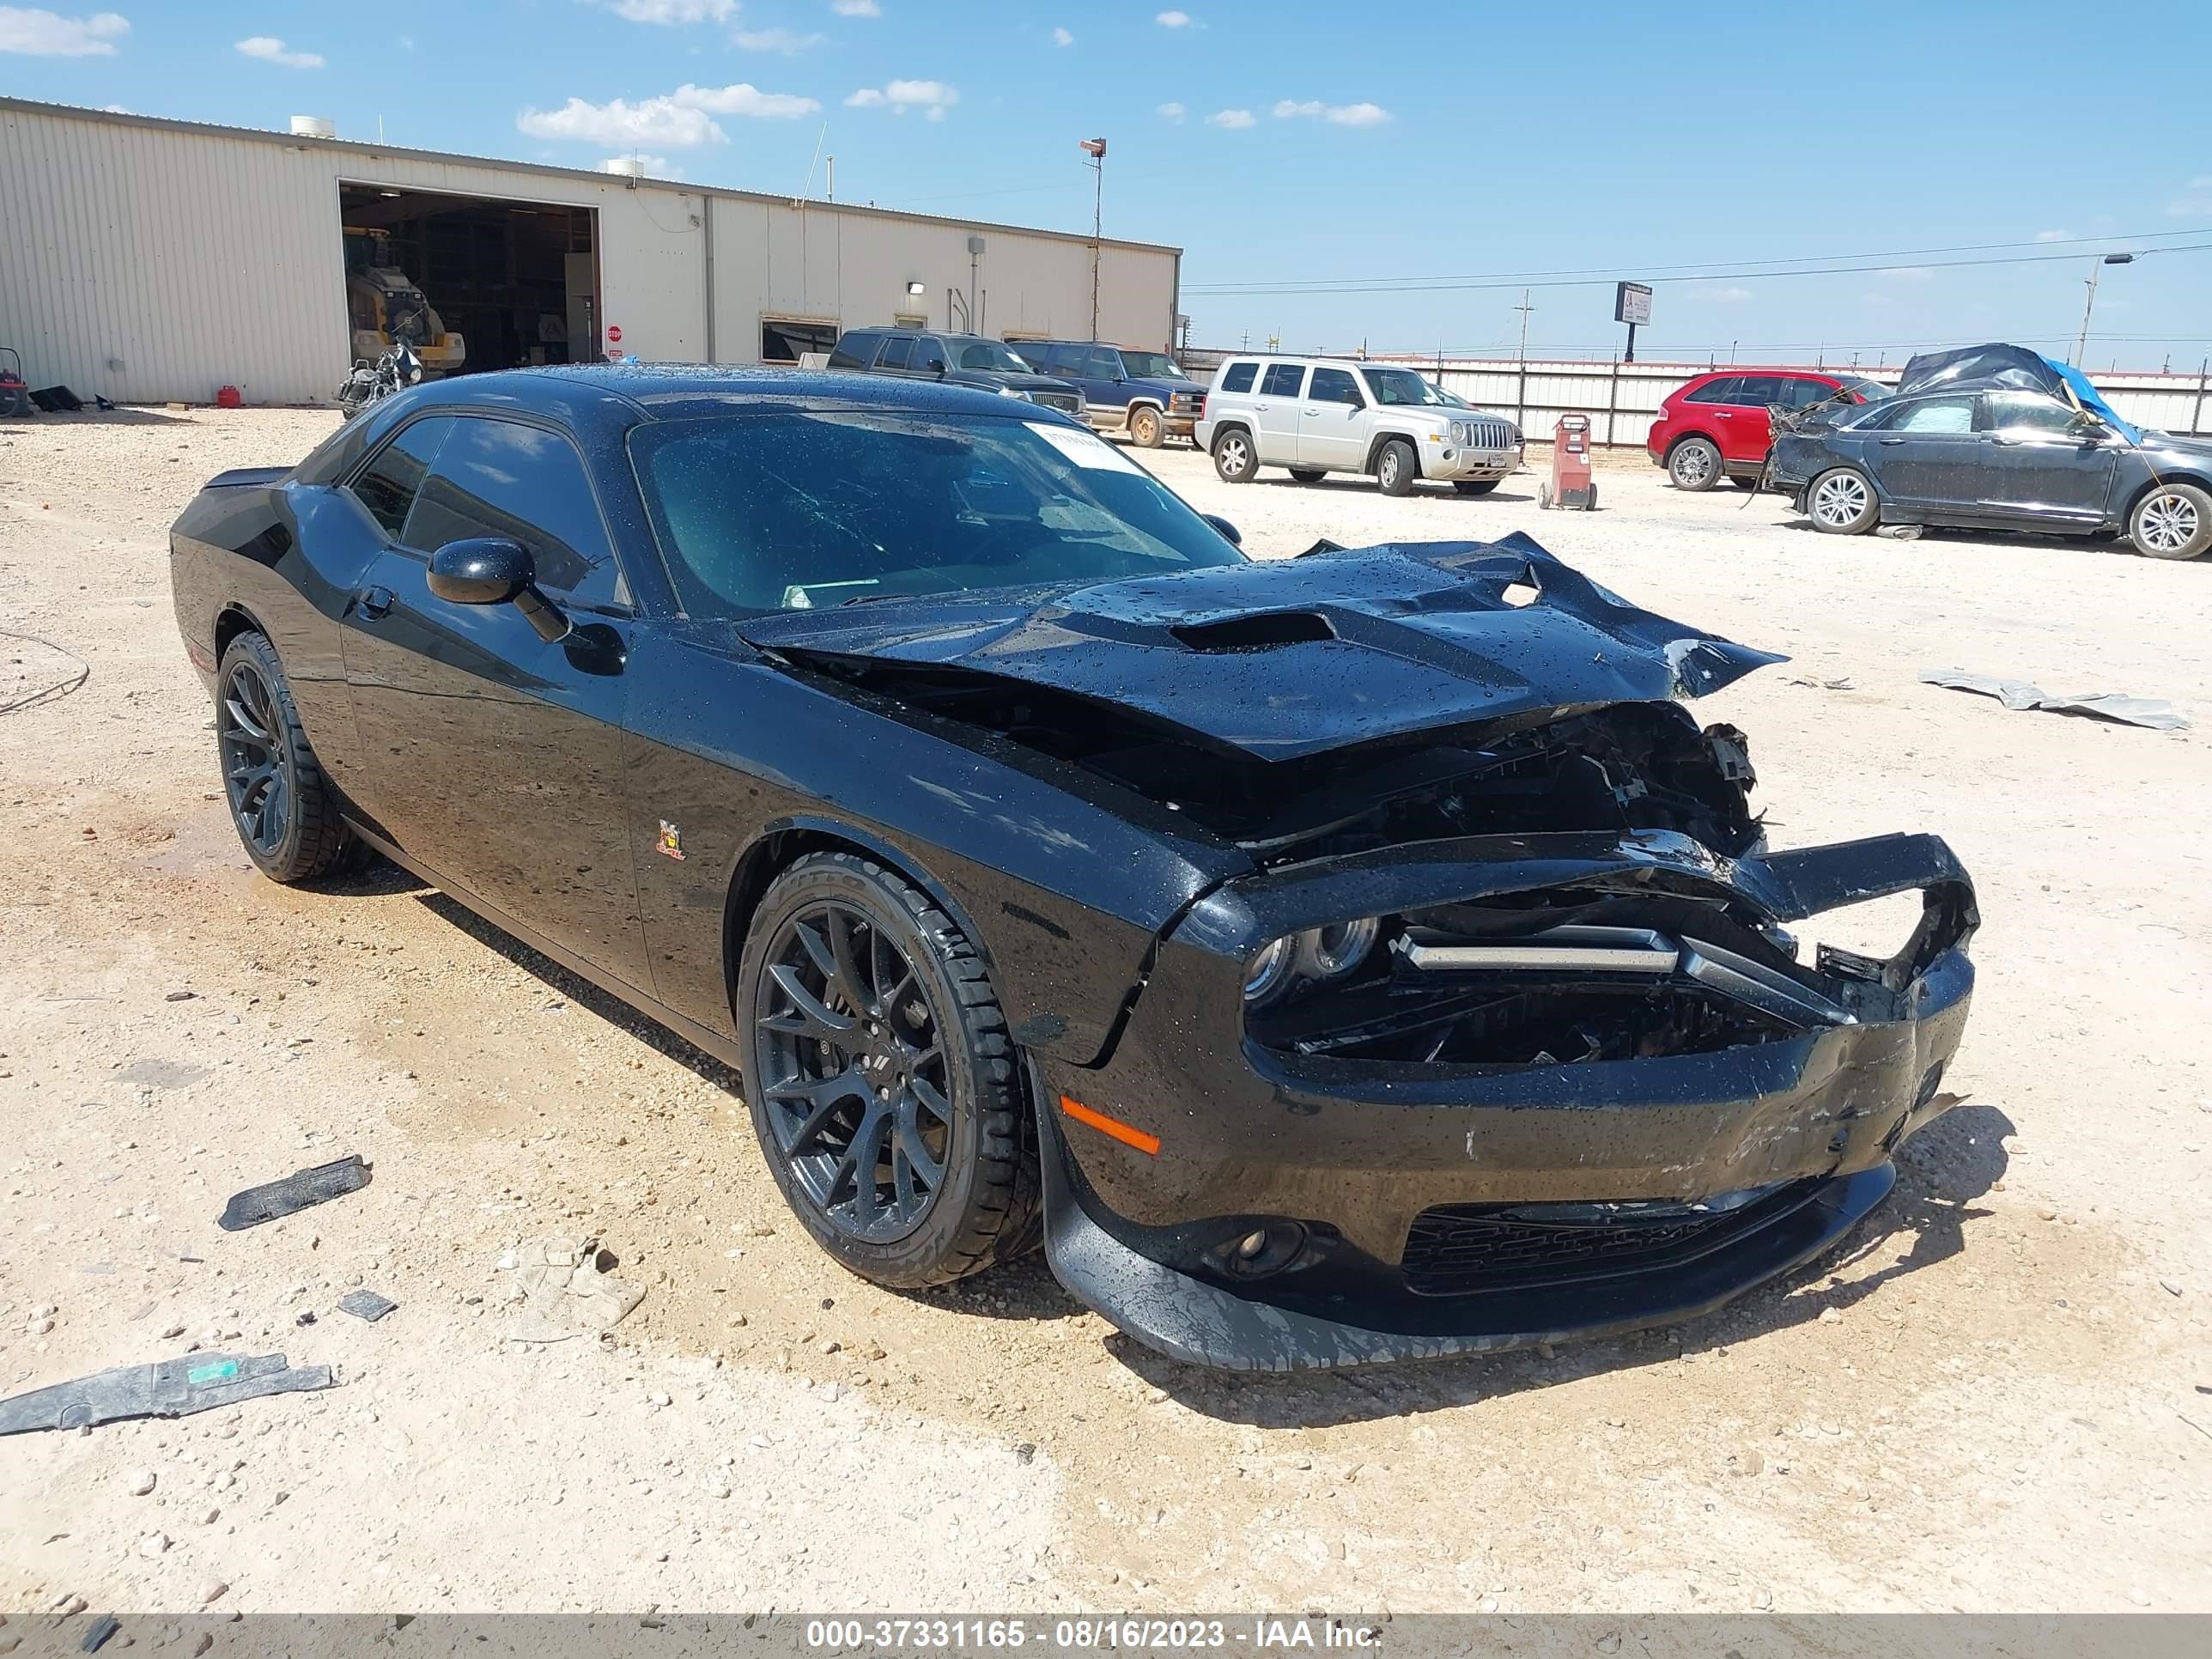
1102,365
2024,411
386,488
1335,386
897,352
1757,391
1283,380
852,351
494,477
1928,415
1237,377
929,354
1804,394
1722,391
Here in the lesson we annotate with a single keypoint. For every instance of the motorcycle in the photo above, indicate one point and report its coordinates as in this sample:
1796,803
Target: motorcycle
393,372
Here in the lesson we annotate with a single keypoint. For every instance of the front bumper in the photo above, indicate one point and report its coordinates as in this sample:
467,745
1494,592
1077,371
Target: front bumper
1799,1130
1447,460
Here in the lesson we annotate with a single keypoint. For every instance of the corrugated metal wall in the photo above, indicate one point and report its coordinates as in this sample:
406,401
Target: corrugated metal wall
151,260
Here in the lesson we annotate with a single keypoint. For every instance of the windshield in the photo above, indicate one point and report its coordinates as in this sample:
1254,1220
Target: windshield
1149,365
1867,392
1402,385
990,354
793,510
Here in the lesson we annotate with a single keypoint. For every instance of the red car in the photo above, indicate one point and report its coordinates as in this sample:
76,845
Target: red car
1717,424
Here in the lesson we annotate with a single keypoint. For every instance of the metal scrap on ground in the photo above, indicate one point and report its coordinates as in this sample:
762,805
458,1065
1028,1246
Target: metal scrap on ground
2152,712
564,1291
366,1304
299,1190
168,1387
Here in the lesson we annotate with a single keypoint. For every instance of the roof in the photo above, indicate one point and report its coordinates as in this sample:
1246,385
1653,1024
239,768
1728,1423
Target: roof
538,170
672,389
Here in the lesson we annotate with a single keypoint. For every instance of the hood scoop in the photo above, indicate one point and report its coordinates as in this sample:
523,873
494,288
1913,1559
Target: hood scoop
1260,632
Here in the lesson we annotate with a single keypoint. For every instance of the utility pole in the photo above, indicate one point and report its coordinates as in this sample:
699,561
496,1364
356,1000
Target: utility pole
2096,267
1096,150
1524,308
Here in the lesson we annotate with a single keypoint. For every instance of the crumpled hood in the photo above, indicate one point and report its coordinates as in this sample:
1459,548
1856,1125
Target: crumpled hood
1289,658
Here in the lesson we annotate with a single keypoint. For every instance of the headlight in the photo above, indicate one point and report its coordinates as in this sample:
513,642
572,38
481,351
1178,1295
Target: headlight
1462,434
1307,957
1015,392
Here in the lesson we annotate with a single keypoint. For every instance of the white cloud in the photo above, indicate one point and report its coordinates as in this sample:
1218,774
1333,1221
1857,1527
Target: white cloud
1234,120
856,7
41,34
649,121
1730,295
1173,19
932,98
1344,115
118,109
2054,236
742,98
270,50
2196,199
658,167
789,42
1171,112
1062,38
673,11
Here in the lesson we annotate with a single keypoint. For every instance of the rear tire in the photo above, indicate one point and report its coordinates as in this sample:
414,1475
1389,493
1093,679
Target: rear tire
1842,502
840,948
284,810
1308,474
2174,521
1145,427
1396,468
1474,486
1694,464
1234,457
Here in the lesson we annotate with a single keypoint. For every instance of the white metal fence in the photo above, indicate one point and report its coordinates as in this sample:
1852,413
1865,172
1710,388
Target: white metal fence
1622,399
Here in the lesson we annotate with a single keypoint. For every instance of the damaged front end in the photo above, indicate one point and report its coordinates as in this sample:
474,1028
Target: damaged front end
1494,1031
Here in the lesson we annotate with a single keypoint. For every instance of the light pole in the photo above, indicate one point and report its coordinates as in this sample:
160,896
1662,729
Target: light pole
1096,150
2096,268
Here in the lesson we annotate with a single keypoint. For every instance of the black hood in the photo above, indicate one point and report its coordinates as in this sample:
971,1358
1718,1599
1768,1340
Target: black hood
1278,659
1009,378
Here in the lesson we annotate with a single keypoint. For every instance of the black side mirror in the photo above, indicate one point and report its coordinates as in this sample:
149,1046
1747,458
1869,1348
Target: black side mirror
493,570
1228,531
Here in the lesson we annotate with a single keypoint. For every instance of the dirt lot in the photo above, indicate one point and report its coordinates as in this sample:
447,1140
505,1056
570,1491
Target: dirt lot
1998,1397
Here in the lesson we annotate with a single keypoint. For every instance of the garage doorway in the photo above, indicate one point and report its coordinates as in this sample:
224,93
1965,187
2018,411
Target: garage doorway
471,283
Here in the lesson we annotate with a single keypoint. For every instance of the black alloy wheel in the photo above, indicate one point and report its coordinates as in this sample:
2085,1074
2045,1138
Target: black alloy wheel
285,812
883,1087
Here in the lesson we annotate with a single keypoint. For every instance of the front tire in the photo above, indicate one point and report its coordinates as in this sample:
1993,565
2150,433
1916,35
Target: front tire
883,1087
1145,427
283,808
1474,486
1842,502
1234,457
1396,469
1694,464
2174,521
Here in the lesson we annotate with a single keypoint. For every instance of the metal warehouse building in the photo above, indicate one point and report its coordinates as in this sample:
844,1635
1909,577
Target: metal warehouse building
151,260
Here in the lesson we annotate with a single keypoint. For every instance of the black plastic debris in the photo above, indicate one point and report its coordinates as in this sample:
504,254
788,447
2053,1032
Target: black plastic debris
300,1190
308,1317
168,1388
102,1628
57,400
366,1304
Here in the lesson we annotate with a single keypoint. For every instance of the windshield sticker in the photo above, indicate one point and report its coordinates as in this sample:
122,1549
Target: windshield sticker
1085,448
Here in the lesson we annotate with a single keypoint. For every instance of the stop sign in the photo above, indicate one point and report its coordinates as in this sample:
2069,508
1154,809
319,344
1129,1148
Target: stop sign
614,334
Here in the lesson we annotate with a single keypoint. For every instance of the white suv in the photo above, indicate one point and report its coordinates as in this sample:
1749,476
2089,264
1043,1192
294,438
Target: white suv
1321,414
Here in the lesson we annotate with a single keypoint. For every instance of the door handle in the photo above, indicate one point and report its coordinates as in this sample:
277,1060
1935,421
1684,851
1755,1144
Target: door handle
1891,443
2008,443
1312,410
375,602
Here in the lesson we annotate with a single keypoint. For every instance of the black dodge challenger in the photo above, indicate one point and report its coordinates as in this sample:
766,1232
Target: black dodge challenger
1335,960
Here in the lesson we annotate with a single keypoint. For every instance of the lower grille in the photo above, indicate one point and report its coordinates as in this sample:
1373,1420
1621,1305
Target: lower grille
1459,1250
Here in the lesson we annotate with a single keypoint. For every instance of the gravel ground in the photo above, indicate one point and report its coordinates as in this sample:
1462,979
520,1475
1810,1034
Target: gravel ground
1998,1396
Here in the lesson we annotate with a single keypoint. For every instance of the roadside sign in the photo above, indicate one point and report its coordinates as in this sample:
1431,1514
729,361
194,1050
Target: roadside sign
1631,303
614,343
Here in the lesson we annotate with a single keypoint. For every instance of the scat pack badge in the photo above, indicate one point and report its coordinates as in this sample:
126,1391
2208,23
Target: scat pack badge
672,840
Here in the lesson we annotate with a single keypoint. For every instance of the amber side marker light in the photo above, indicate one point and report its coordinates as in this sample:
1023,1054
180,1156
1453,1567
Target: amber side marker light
1149,1145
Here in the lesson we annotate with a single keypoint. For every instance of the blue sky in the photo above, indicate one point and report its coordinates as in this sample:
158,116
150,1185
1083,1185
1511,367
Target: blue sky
1309,145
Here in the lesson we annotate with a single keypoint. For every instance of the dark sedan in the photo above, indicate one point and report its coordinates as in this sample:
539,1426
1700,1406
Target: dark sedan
1998,438
1334,960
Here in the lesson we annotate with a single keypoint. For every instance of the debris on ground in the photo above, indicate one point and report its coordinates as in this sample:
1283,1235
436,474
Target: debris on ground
168,1387
1902,532
2152,712
566,1290
300,1190
366,1304
1842,684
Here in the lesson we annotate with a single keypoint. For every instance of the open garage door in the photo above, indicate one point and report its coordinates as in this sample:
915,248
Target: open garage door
471,283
